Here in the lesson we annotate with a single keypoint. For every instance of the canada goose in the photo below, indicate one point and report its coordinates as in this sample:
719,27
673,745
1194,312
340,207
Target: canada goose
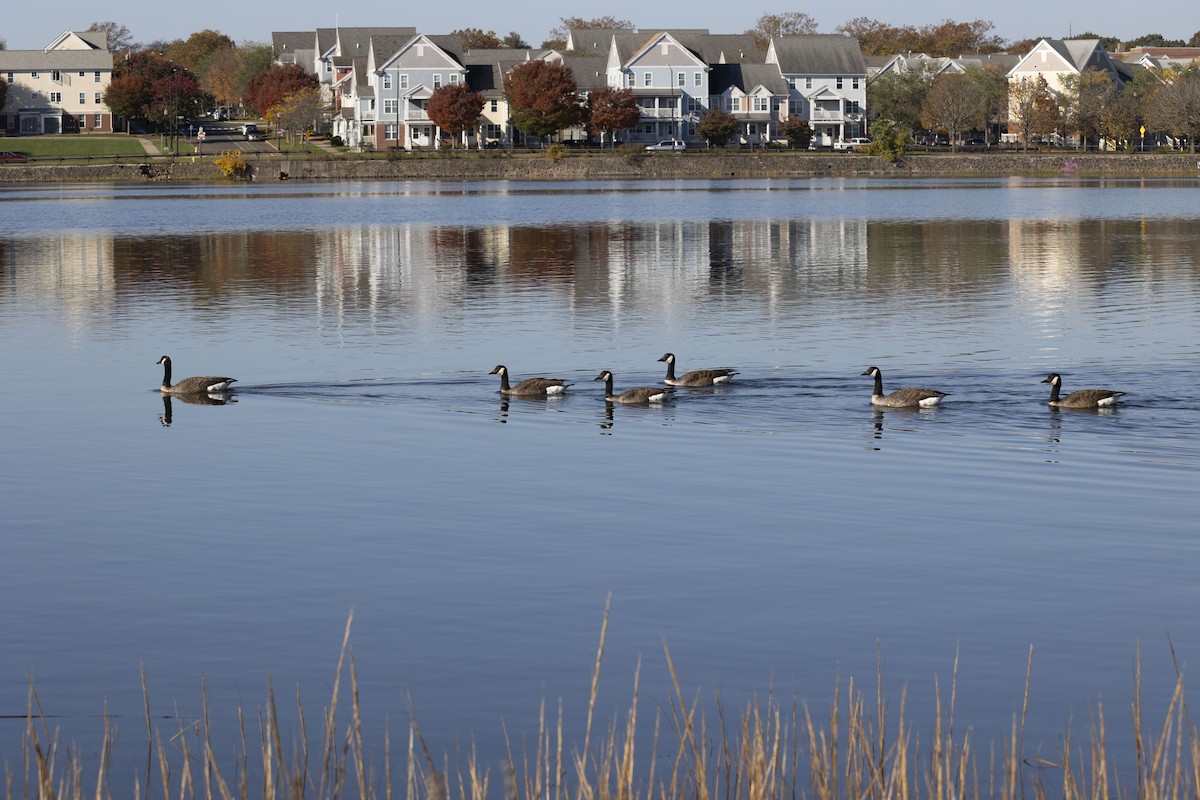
642,395
530,387
912,397
699,377
1084,398
204,383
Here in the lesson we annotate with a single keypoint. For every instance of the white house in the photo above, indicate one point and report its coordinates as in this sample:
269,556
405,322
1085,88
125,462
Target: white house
827,77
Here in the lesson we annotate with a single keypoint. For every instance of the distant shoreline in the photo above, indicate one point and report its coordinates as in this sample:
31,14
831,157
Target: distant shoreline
623,166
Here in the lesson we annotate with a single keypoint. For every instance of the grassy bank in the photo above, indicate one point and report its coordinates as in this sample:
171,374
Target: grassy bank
768,751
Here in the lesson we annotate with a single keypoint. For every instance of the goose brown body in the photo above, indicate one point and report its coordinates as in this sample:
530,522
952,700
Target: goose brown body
530,387
639,396
1084,398
195,385
697,377
909,397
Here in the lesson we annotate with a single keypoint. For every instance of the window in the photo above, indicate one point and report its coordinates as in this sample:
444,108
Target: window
762,104
403,80
56,76
437,80
454,76
96,122
698,79
735,104
495,106
808,83
55,97
389,106
371,105
82,73
33,75
98,100
647,79
681,80
389,131
839,81
83,98
96,77
10,77
387,80
854,83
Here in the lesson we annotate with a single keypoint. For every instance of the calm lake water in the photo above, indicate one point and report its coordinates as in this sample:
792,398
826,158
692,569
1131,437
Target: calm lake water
777,532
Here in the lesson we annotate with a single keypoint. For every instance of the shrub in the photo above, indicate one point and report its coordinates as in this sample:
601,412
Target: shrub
556,152
336,141
232,164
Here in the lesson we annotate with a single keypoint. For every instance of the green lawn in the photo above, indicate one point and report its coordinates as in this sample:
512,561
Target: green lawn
72,146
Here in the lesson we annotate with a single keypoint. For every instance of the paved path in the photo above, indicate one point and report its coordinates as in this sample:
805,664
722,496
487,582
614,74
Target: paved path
150,147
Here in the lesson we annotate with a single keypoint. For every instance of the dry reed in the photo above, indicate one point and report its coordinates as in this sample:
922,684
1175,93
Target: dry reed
775,751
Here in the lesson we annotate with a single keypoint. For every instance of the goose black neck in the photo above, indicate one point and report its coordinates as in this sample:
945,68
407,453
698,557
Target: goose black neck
1053,392
879,383
608,382
504,387
670,369
167,372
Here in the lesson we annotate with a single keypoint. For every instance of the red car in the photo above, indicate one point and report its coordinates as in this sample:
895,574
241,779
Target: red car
8,155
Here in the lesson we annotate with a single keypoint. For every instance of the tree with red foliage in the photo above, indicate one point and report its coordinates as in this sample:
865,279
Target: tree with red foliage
269,87
611,111
542,97
454,108
149,86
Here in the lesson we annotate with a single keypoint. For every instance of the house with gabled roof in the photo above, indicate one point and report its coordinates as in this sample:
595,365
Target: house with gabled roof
295,47
60,88
756,95
827,80
404,78
1060,60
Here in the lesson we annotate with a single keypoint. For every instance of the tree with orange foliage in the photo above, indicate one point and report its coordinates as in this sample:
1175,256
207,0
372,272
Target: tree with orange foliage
269,87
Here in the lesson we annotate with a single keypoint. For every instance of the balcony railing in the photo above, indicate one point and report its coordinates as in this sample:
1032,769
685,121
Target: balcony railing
825,115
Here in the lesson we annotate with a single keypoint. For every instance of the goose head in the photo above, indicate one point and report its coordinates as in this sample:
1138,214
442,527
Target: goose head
1054,379
669,358
872,372
603,376
164,360
499,370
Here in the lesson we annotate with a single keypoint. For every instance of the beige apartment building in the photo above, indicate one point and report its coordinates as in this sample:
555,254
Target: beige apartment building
58,89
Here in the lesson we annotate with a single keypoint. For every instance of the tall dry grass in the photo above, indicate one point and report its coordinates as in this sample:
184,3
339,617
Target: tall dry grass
767,750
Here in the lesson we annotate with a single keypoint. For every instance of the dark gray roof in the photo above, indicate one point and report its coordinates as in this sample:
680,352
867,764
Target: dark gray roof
326,38
43,61
451,44
819,54
97,39
291,41
590,72
355,41
746,77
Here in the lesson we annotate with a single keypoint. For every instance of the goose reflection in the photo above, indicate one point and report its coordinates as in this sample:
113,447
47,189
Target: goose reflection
214,399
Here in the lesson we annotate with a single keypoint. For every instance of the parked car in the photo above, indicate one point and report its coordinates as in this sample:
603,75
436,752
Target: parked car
669,145
974,141
255,136
851,144
8,155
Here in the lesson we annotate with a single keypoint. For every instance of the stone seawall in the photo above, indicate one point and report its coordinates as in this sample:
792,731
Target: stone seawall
621,166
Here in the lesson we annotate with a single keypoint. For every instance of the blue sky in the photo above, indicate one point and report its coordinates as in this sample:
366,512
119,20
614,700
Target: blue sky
1016,19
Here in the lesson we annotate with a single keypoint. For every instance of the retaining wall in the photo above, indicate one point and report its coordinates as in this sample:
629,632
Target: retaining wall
621,166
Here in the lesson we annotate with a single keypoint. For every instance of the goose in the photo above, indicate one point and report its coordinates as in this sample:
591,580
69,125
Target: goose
642,395
699,377
204,383
530,387
1084,398
912,397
